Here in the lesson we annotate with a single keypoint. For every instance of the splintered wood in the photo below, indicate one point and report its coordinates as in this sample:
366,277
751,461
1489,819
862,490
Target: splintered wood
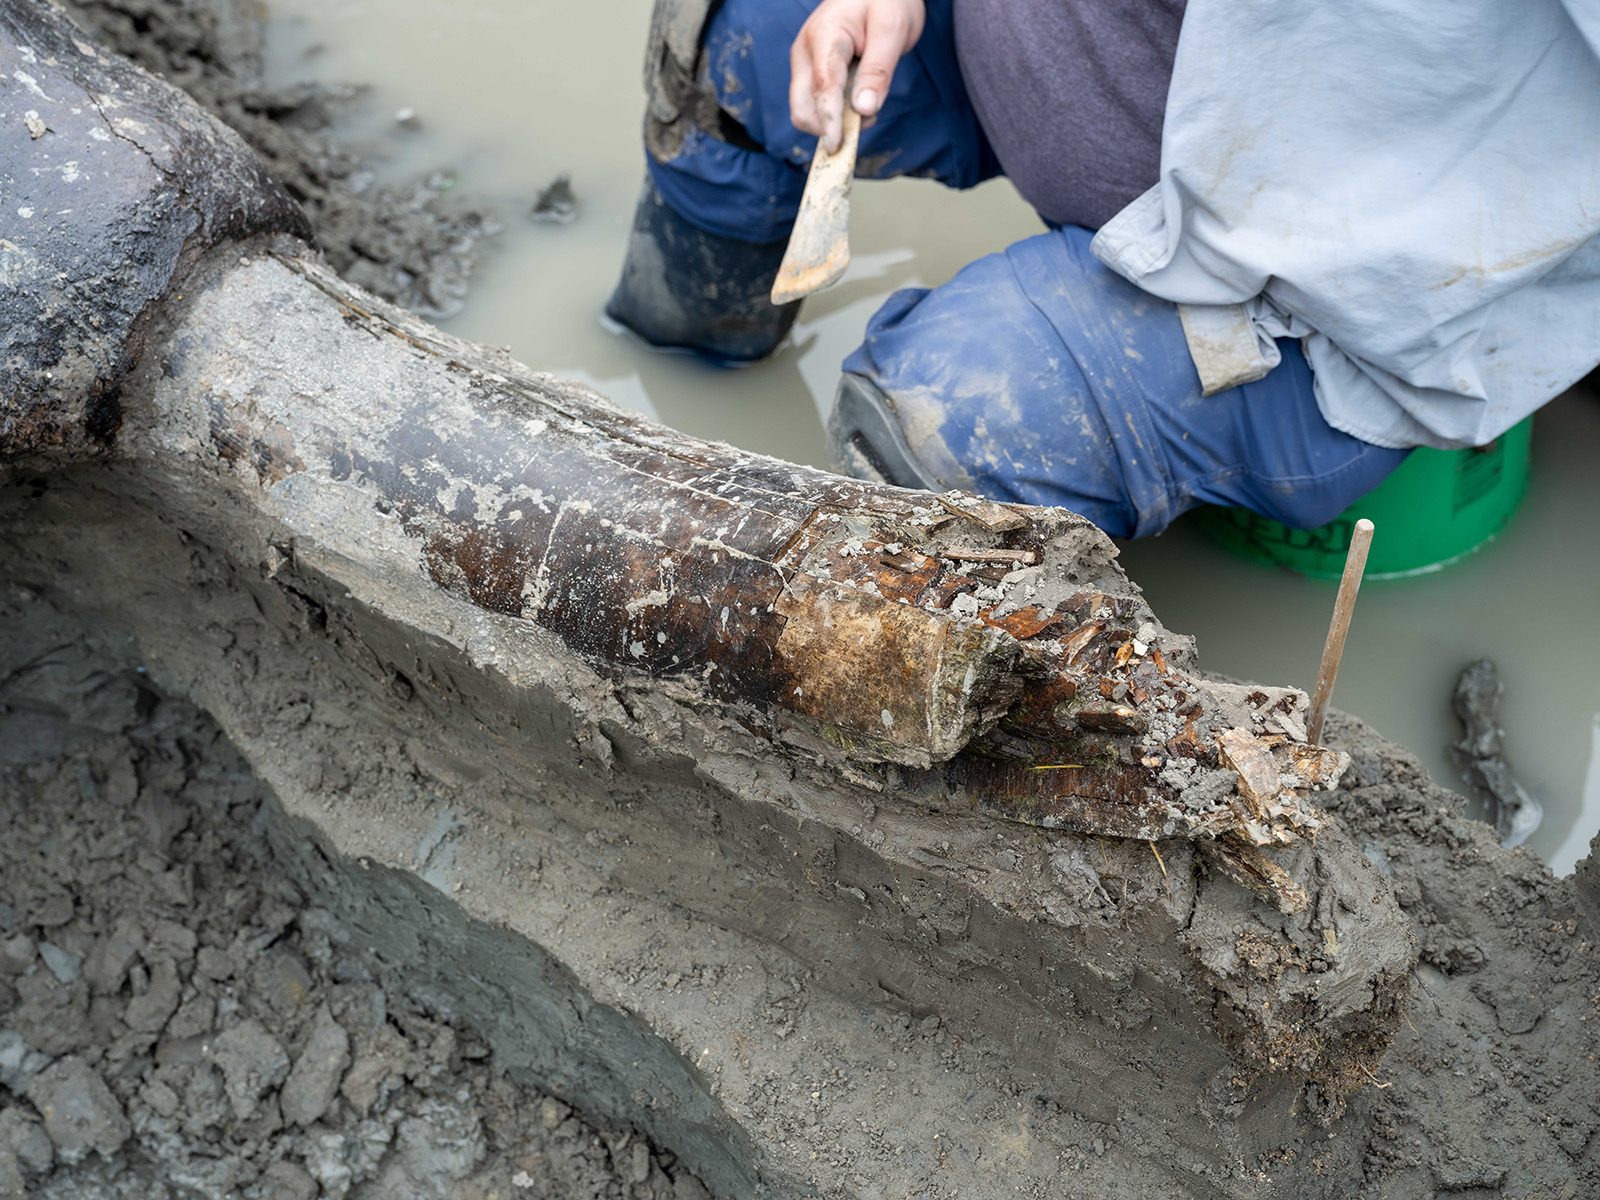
996,518
977,554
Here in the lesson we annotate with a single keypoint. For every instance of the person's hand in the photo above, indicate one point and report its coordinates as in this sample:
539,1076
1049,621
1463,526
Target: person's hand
837,32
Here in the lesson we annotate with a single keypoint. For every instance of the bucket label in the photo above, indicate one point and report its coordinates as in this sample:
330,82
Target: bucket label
1477,474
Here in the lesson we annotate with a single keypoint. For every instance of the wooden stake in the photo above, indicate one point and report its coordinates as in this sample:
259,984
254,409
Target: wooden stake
1355,565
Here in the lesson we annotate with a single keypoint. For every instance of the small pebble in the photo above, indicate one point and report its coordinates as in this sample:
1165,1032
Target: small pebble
556,203
63,964
17,954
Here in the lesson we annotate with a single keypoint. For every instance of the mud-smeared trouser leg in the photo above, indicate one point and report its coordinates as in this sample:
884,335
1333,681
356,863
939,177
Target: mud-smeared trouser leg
1038,375
726,168
684,288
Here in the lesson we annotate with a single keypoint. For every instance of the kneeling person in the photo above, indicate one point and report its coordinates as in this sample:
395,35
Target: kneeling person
1040,374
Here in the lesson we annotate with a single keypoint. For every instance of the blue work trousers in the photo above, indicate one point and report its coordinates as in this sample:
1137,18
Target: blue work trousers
1037,374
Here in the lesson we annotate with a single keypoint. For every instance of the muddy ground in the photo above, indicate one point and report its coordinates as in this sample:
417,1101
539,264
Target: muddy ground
414,244
177,1015
177,1018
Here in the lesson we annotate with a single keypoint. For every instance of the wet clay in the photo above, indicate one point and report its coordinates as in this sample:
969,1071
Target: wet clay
1488,1085
774,939
1480,755
182,1011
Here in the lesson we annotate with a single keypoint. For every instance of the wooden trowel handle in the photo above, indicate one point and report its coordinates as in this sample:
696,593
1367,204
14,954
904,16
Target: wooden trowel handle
819,246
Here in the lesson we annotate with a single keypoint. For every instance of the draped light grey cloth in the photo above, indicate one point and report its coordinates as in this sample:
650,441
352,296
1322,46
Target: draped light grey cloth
1411,186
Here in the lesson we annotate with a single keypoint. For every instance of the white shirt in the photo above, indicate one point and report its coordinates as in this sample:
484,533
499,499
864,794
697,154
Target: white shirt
1411,186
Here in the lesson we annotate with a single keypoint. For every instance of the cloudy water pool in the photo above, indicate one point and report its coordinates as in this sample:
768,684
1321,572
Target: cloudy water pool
507,94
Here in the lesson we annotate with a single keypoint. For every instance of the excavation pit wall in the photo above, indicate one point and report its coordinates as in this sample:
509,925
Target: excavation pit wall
542,864
198,997
686,956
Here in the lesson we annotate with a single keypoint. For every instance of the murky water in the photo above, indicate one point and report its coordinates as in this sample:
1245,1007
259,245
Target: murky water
1530,600
511,92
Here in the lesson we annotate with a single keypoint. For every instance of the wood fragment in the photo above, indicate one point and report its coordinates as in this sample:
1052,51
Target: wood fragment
996,518
1113,719
1079,641
1024,623
1344,606
978,554
1312,767
1250,866
1258,769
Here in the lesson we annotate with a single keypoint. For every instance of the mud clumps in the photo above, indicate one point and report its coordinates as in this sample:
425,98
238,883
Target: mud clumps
1491,1086
408,243
176,1019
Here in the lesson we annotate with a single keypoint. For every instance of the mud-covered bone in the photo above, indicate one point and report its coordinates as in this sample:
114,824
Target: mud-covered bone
110,179
866,621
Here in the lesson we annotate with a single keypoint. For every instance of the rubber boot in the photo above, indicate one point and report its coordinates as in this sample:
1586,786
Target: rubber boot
684,288
867,440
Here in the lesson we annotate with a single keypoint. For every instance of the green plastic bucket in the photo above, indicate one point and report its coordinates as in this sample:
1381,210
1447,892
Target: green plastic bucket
1437,507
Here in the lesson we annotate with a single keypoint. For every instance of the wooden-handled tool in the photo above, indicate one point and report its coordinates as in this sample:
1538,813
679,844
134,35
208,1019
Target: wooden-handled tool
819,246
1355,565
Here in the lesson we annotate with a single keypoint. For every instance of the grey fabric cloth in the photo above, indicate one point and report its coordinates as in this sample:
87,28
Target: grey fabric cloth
1071,94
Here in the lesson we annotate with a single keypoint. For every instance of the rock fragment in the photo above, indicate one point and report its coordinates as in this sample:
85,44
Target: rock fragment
63,964
149,1011
53,1017
163,1101
211,963
317,1073
363,1085
205,1102
251,1061
113,953
80,1113
195,1018
17,954
436,1148
25,1138
286,1181
18,1061
173,940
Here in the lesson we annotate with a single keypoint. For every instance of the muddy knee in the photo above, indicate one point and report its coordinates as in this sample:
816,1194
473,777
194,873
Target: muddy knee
868,439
